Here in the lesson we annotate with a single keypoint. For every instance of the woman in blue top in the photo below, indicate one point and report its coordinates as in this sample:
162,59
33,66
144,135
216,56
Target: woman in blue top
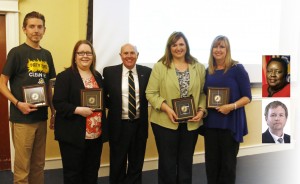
225,125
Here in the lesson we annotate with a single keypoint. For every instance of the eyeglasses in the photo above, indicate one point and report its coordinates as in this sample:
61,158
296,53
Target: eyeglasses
84,53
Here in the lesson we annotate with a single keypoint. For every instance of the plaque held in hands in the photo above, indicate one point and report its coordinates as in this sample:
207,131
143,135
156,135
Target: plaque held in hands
35,94
92,98
184,108
217,97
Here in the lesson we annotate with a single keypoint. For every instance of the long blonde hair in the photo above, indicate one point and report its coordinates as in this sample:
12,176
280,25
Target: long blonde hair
229,62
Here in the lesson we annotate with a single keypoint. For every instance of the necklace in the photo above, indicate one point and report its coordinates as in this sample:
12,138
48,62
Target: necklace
181,67
85,74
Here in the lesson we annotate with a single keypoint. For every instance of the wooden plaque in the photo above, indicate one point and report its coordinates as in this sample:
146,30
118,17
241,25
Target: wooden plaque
92,98
184,108
35,94
217,97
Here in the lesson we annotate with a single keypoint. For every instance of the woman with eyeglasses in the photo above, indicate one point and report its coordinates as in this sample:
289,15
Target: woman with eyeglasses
80,130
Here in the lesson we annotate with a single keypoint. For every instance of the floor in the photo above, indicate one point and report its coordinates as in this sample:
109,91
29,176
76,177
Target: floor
276,168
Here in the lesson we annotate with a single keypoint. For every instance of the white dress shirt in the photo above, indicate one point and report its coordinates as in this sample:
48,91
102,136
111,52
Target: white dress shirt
125,92
275,137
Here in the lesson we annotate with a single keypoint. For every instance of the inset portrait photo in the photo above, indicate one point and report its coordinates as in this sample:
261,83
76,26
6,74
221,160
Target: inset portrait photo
276,76
276,125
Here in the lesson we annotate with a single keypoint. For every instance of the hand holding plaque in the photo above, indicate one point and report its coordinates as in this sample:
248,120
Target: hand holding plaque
92,98
35,94
217,97
184,108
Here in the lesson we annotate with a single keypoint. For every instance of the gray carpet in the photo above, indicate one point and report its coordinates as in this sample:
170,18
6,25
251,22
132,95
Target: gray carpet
269,168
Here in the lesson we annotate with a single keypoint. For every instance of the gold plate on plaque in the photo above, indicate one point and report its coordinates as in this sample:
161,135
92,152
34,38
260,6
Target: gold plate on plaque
35,94
217,97
92,98
184,108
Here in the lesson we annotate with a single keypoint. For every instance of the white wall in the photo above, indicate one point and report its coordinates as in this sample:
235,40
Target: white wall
254,27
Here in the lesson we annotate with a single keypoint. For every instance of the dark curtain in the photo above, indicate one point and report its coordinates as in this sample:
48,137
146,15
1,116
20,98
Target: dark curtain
89,33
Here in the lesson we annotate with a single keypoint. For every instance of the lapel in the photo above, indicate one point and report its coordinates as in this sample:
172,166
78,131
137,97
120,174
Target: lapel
270,137
78,78
171,75
193,75
142,84
98,80
287,139
118,79
140,75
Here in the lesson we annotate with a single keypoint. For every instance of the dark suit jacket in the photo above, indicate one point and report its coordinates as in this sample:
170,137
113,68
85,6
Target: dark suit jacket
267,137
113,92
70,127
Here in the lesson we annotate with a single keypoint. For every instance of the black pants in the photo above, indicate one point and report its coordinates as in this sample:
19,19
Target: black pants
220,156
81,165
129,148
175,150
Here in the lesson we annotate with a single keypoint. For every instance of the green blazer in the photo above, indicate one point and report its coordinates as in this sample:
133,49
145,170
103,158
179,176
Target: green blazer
163,86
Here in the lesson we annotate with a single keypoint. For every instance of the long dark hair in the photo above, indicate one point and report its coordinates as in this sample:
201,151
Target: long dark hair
167,58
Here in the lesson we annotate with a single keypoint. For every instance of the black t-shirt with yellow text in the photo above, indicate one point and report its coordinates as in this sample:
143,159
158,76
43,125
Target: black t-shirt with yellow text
28,66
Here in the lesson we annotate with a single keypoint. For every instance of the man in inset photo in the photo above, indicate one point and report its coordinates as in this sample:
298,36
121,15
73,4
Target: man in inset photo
276,114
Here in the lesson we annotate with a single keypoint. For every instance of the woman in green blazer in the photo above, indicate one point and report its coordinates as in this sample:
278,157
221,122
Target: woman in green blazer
176,75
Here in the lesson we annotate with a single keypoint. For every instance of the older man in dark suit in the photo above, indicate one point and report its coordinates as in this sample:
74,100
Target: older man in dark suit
128,129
